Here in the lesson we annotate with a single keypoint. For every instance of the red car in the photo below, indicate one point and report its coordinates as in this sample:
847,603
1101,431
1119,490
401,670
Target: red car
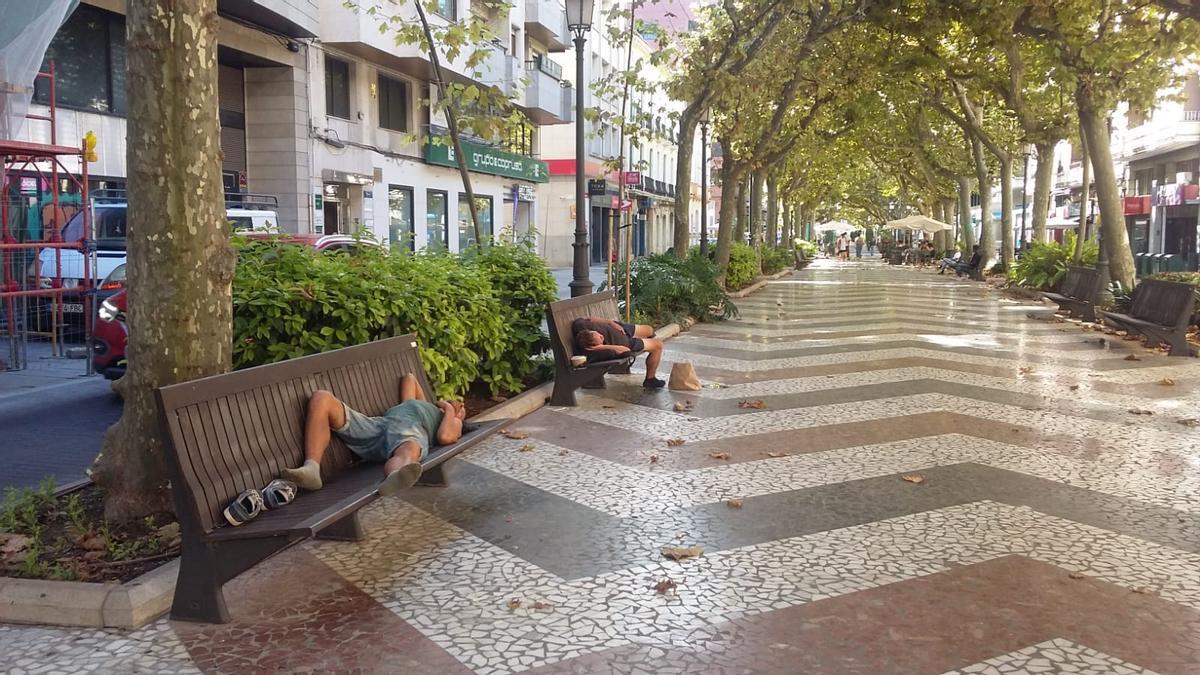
110,332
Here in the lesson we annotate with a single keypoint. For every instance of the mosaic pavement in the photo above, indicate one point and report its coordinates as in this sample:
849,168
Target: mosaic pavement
1054,526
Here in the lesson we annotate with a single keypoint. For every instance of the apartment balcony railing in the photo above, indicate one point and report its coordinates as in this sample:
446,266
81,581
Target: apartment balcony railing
546,22
544,98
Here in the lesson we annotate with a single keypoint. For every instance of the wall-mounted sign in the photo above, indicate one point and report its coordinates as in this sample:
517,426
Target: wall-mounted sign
597,187
633,177
483,159
318,200
526,193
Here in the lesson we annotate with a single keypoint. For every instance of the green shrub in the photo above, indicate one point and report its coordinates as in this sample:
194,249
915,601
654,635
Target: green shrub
290,301
524,285
743,267
665,289
1044,265
808,248
775,260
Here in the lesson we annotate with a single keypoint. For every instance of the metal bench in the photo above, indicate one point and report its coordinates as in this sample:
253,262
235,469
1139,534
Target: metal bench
568,378
233,432
1078,292
1161,311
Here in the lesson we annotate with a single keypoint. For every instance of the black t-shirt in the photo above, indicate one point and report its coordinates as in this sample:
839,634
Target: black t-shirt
613,334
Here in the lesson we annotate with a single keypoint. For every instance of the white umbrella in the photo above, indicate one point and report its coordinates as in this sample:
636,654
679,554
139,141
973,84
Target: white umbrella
834,226
1060,223
919,223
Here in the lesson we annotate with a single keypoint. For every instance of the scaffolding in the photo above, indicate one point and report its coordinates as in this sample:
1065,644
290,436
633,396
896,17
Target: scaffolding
32,301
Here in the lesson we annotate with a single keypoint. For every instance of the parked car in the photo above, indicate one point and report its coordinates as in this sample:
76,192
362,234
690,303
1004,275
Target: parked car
109,209
112,330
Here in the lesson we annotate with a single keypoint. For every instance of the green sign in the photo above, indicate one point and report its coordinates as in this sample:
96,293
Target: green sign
483,159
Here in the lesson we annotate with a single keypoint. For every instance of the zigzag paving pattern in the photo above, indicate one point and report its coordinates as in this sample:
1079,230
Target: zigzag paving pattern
1056,528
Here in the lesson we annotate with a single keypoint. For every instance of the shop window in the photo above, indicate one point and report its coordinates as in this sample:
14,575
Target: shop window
466,232
393,103
337,88
400,217
437,218
88,52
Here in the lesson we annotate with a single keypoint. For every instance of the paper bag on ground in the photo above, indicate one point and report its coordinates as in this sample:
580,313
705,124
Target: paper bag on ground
683,378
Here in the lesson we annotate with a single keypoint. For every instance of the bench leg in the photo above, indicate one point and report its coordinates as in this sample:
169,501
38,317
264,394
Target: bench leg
198,595
1087,312
433,477
1179,345
595,383
563,394
346,529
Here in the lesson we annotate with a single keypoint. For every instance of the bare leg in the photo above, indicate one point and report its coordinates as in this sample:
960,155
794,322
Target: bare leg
325,413
402,469
654,351
643,331
410,388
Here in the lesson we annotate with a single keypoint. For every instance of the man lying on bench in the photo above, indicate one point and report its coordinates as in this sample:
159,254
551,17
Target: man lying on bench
400,438
604,339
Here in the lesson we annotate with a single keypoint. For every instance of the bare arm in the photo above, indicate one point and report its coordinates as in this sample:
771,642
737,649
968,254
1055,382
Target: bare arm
450,430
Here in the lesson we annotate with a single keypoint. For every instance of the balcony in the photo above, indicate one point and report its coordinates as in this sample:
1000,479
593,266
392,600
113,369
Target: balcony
293,18
544,98
1170,129
546,22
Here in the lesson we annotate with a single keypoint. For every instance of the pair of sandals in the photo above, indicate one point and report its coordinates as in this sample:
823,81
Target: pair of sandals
250,503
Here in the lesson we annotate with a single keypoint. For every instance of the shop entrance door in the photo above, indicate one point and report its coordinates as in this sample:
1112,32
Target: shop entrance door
332,212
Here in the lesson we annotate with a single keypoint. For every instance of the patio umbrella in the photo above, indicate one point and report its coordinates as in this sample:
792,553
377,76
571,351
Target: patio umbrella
919,223
1060,223
833,226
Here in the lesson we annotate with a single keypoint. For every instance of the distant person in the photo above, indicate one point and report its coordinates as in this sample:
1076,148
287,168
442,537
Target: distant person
605,339
399,439
858,246
843,247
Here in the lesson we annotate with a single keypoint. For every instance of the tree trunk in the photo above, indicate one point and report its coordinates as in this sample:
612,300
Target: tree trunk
1007,249
1082,234
772,212
180,265
741,208
756,208
1112,219
966,231
1041,189
731,174
987,234
683,181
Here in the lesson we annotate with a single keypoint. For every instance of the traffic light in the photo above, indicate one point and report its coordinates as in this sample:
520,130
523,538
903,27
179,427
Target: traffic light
89,147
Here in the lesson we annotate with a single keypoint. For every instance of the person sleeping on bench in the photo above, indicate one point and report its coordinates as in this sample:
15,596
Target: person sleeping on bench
400,438
605,339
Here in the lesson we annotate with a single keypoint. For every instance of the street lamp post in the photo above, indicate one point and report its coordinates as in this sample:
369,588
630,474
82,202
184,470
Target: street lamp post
579,21
704,183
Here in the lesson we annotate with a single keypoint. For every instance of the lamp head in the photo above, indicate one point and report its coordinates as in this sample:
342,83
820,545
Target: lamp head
579,15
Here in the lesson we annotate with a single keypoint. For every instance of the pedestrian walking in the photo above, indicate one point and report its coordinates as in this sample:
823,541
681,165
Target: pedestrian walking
858,246
843,247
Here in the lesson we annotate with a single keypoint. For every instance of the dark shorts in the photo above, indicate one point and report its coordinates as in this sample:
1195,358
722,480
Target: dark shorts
635,343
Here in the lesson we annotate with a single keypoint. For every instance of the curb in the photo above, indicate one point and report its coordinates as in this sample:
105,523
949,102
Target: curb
762,281
518,406
78,603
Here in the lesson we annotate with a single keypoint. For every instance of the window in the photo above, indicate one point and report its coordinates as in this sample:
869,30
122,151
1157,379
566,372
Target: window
337,88
393,104
400,217
466,232
437,220
448,9
88,52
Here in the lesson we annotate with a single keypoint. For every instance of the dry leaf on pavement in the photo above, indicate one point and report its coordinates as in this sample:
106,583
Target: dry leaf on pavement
525,448
539,605
1074,387
1077,575
654,459
1133,357
674,442
681,552
735,503
514,603
683,406
719,455
515,435
1167,382
757,404
562,452
1190,422
1136,411
665,586
914,478
1024,370
1141,590
775,454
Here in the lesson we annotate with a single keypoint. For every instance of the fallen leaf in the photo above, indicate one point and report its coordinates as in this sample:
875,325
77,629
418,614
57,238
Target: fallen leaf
562,453
1074,387
914,478
674,442
683,406
1097,328
1024,370
735,503
13,546
539,605
719,455
1077,575
1136,411
775,454
515,435
665,586
514,603
526,448
1141,590
498,398
1167,382
654,459
1133,357
681,552
608,406
1131,338
1190,422
756,404
94,555
94,542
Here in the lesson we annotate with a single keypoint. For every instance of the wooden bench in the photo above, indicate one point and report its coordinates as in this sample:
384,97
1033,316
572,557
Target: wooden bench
234,432
1161,311
567,378
802,260
1078,292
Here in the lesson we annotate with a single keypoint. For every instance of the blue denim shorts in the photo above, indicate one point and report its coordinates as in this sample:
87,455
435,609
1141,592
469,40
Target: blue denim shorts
374,439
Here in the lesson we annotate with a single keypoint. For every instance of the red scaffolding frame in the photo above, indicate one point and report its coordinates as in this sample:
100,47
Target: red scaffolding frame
45,162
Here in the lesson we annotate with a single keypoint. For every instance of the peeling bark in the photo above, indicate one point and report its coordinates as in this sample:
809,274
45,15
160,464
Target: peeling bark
772,212
1042,183
966,232
1007,247
1112,218
731,174
180,264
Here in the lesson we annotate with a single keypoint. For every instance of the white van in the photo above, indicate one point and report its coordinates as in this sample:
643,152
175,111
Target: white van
245,212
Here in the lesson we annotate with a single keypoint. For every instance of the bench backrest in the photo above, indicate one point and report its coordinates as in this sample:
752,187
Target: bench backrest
560,315
233,432
1165,303
1081,283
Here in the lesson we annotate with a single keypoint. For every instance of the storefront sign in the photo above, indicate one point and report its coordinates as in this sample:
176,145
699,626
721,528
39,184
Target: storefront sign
633,177
526,193
597,187
483,159
1169,195
318,200
1135,206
